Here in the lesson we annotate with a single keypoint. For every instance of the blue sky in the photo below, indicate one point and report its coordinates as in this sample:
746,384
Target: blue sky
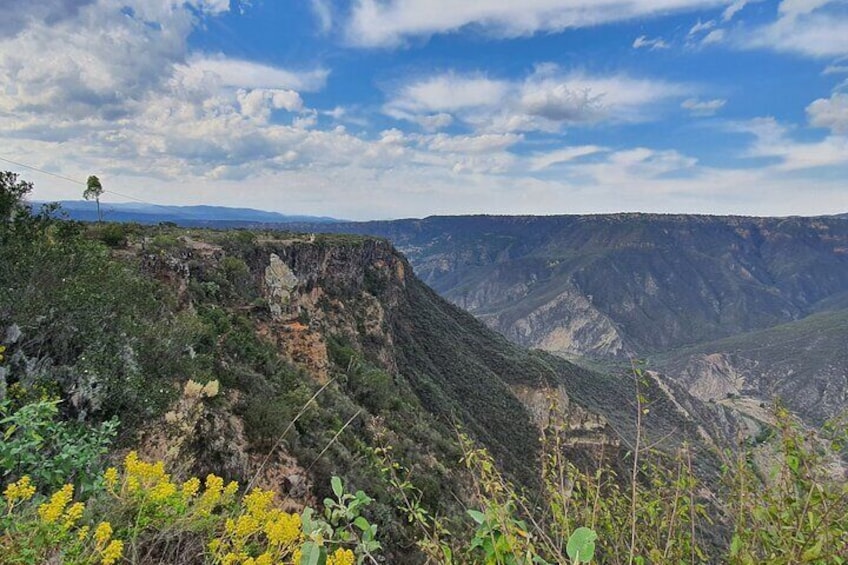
370,109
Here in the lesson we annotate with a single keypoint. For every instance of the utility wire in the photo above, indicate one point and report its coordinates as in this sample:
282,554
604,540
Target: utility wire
77,181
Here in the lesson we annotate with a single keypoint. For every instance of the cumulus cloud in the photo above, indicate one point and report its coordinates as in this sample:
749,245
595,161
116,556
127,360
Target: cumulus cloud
698,107
812,28
548,99
116,84
389,23
449,92
485,143
831,113
773,139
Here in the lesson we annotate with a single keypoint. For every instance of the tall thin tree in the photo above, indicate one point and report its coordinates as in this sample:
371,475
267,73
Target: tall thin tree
94,189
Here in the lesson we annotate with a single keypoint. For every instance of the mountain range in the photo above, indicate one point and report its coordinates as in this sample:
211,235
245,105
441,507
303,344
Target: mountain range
706,299
145,213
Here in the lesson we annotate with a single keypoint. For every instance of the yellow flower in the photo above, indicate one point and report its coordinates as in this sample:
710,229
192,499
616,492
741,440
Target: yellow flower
162,491
296,555
112,553
285,530
190,488
231,489
264,559
111,478
341,557
2,350
131,462
258,501
102,533
49,512
230,558
73,514
246,526
82,533
20,490
212,495
133,485
214,486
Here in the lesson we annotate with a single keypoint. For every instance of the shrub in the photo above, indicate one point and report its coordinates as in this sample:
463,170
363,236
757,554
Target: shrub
37,444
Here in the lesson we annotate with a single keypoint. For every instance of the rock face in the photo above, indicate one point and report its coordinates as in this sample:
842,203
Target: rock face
279,284
803,363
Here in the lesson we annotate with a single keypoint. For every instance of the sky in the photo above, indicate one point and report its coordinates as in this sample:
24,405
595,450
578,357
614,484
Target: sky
378,109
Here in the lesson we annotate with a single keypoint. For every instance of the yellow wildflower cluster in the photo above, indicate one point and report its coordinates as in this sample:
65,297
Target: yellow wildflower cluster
51,511
260,527
19,491
2,351
110,550
341,557
58,527
254,532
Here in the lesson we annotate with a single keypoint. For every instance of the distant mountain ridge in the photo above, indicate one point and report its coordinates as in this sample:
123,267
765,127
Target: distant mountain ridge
625,284
210,216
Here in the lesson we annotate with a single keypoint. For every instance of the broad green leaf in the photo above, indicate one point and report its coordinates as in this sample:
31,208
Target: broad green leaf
581,545
336,483
477,516
312,554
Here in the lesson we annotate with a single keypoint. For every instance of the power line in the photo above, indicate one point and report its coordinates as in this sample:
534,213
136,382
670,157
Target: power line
77,181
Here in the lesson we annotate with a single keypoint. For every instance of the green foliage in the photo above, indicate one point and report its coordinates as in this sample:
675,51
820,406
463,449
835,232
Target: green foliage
113,234
92,329
797,513
37,444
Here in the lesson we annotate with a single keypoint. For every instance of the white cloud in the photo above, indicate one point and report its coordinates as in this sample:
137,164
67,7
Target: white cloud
247,74
702,26
485,143
86,87
835,70
546,100
434,122
259,102
715,36
548,159
389,23
323,13
643,42
772,139
812,28
449,92
703,107
733,9
831,113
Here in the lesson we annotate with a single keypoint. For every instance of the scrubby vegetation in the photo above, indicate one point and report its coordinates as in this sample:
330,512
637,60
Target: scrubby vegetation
146,403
